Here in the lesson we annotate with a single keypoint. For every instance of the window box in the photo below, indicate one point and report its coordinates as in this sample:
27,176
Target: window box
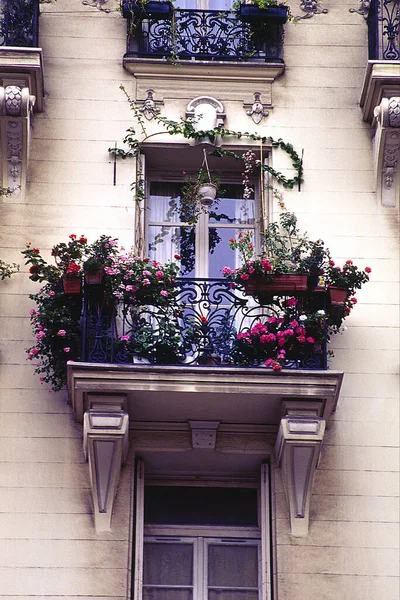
154,8
272,14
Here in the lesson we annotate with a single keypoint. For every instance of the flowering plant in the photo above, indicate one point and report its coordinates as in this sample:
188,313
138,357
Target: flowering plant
139,280
100,254
191,199
348,277
288,335
6,269
155,336
284,250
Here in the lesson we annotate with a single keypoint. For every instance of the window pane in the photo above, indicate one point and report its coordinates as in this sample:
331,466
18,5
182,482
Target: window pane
164,202
165,242
167,564
233,566
232,595
181,505
168,594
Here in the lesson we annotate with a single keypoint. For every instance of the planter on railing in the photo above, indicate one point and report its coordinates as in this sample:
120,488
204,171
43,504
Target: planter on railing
250,13
156,9
337,296
281,284
94,278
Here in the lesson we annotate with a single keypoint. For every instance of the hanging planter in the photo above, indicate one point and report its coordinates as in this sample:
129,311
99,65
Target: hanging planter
94,278
72,285
207,192
249,13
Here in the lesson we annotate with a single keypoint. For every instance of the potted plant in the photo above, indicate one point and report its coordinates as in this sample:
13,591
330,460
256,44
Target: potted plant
286,260
156,9
256,11
142,281
99,255
342,282
197,194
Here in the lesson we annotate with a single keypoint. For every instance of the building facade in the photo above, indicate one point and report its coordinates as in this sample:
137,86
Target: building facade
175,481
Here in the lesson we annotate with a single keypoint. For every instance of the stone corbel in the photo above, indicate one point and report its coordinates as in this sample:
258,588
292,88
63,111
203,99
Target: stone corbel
387,151
208,113
16,105
105,443
149,107
298,448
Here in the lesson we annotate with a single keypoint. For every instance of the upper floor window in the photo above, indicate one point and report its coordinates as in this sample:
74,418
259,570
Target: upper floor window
204,245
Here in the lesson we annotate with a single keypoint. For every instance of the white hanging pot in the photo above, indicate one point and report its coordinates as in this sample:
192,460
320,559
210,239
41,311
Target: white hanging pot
207,193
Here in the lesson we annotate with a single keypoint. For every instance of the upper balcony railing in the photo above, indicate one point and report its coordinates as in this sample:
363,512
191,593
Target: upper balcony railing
384,30
19,23
210,324
204,35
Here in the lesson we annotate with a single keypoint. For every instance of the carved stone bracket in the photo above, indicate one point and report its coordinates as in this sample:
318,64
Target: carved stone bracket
149,106
257,111
208,113
16,105
298,448
387,151
105,442
311,8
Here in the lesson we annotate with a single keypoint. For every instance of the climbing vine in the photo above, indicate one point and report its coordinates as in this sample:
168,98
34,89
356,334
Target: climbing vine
187,128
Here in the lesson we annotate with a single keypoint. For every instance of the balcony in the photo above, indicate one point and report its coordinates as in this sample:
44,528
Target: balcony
384,30
205,35
210,324
19,23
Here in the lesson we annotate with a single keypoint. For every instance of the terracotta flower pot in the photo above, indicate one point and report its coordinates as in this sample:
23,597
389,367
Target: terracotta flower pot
281,284
94,278
72,285
337,296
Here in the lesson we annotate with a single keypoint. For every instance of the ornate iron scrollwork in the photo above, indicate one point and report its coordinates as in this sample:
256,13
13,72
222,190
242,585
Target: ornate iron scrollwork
208,35
19,23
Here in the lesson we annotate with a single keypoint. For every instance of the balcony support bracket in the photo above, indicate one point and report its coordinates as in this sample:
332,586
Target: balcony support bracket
105,443
298,448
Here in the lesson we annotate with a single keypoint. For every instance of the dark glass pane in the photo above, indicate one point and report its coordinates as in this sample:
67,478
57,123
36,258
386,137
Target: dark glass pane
233,566
167,564
168,594
232,595
181,505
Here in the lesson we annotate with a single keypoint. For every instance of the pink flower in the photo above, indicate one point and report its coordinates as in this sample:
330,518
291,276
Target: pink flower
52,293
40,335
251,270
349,262
268,362
159,274
147,273
301,339
61,332
232,285
368,269
244,276
146,282
293,323
226,271
291,302
67,349
277,367
34,350
266,265
164,293
124,338
310,340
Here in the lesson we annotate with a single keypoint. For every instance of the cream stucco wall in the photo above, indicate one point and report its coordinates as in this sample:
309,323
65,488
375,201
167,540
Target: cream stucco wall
48,547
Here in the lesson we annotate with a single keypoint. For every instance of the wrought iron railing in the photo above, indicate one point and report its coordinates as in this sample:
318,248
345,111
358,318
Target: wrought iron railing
204,35
201,328
384,30
19,23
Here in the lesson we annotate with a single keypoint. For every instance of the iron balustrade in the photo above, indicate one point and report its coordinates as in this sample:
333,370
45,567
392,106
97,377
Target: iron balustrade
201,327
19,23
204,35
384,30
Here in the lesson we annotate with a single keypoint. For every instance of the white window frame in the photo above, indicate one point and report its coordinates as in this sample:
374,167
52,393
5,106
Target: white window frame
248,534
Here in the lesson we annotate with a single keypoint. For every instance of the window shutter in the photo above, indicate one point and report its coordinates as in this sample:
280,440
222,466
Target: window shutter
139,530
266,570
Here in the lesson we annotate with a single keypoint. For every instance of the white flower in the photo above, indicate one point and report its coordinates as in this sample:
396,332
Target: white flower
303,318
321,312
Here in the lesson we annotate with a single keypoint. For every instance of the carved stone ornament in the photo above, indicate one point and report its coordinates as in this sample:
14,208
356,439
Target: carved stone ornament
15,108
387,150
208,112
149,107
363,9
257,111
311,8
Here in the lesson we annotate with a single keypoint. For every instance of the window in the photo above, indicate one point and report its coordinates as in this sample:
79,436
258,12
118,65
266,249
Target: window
202,542
204,4
203,247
